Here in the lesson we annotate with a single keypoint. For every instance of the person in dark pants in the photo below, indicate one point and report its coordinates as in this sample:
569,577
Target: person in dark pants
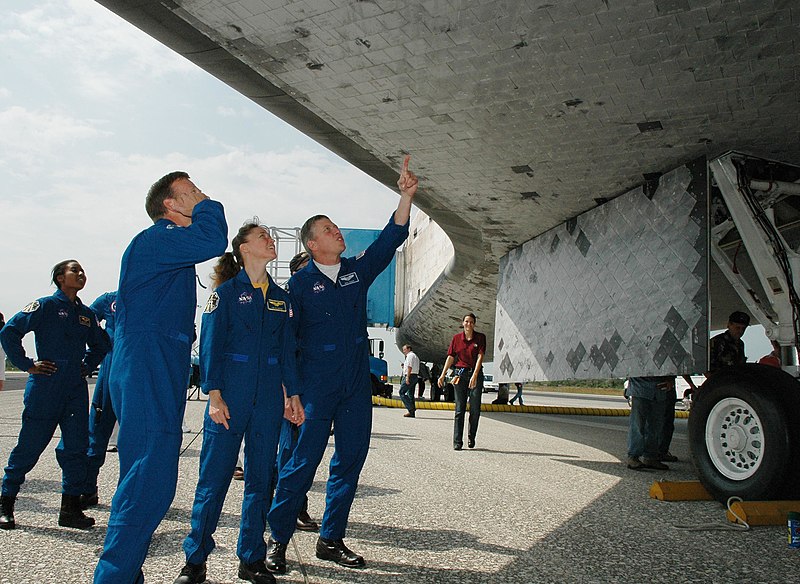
651,421
436,393
247,354
409,381
101,415
56,394
424,375
329,297
2,355
156,302
466,353
290,431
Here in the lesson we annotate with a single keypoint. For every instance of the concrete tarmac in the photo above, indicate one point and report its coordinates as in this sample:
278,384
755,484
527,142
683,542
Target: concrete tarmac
542,498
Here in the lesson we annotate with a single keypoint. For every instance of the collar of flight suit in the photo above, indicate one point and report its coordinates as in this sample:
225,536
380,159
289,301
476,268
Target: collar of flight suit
63,298
243,279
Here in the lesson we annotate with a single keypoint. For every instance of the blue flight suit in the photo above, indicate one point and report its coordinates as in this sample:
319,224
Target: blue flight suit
156,301
63,329
336,388
247,351
101,415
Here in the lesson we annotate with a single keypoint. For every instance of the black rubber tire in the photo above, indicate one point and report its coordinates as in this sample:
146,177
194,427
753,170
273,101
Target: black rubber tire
751,404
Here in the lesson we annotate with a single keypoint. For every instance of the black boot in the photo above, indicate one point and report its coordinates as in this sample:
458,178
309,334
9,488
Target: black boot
71,514
276,556
335,551
192,574
7,512
257,573
89,500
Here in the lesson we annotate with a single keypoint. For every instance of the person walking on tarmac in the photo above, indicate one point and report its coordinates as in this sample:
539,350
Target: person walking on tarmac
330,300
409,381
101,415
466,352
56,393
156,301
247,355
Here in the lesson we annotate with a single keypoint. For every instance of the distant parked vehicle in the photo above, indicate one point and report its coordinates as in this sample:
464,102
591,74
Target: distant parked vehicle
489,384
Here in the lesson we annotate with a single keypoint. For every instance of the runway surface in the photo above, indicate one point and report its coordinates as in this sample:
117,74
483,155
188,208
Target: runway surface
542,498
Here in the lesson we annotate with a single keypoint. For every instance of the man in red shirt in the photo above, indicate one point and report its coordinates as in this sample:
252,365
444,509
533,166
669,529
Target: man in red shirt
466,352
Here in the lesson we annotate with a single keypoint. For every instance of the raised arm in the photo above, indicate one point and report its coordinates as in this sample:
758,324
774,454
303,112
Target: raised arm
408,188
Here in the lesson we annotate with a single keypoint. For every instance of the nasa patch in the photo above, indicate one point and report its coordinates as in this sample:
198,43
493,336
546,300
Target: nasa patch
63,313
114,307
85,320
171,226
318,287
245,298
347,279
213,302
31,307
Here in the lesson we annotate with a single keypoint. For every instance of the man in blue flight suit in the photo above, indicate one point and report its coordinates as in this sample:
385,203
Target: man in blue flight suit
101,415
329,297
156,301
56,393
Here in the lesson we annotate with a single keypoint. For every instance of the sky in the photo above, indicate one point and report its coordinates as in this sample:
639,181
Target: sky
93,111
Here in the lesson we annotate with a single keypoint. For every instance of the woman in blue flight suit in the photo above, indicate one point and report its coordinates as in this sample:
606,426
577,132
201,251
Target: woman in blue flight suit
247,355
56,393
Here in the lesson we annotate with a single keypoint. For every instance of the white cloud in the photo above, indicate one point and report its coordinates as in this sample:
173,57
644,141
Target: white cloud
94,42
29,140
4,92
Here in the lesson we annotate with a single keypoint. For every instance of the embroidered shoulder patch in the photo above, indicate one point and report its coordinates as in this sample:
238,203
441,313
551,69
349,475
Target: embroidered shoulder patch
213,302
276,305
31,307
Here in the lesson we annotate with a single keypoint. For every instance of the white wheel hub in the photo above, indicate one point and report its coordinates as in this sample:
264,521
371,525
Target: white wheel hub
734,439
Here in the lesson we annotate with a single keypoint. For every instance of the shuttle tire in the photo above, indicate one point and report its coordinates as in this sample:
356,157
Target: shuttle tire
741,441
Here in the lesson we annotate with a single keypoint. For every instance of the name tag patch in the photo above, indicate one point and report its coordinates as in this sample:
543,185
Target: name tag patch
347,279
85,320
276,305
